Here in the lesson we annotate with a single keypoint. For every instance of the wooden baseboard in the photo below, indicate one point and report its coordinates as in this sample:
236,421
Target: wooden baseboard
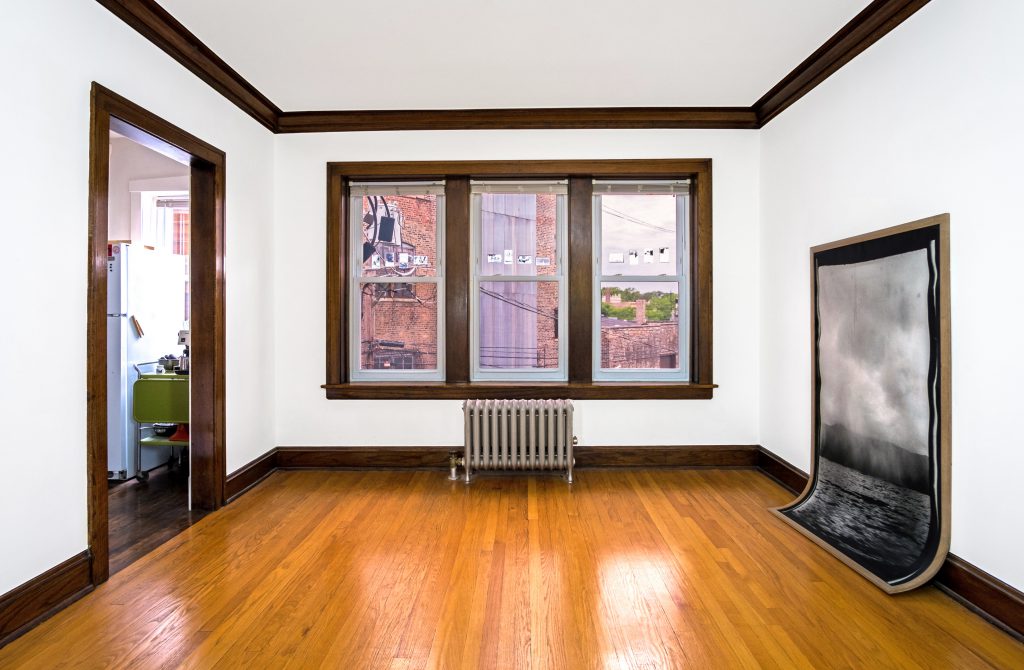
25,606
243,479
434,458
689,456
990,597
713,456
993,599
783,472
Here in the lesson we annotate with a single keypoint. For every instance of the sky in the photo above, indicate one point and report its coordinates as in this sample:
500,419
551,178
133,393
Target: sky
874,348
620,234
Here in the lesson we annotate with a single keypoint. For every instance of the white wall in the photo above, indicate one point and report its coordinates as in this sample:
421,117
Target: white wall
306,418
129,161
50,51
924,122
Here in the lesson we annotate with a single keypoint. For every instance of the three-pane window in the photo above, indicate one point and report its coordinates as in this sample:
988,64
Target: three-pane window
545,279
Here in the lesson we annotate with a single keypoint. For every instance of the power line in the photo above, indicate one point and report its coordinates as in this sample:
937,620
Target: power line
633,219
516,303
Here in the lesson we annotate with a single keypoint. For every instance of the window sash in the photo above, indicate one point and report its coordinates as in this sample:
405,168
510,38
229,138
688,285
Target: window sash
395,188
682,372
478,373
557,187
355,278
640,187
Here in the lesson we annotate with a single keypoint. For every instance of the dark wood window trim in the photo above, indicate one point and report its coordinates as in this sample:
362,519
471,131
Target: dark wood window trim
580,175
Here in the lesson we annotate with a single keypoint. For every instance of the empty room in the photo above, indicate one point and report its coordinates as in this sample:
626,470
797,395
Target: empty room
478,334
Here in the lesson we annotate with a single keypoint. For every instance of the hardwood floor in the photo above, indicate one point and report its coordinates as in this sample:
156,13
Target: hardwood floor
144,516
627,569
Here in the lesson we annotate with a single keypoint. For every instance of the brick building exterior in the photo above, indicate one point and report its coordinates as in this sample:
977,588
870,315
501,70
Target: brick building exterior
547,294
398,328
637,343
625,344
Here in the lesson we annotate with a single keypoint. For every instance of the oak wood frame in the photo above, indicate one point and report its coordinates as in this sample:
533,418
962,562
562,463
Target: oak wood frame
158,26
945,395
580,175
207,420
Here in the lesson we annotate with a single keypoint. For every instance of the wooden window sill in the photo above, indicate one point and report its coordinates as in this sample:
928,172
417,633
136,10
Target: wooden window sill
533,391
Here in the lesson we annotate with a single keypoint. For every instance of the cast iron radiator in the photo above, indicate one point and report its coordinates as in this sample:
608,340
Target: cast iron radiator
516,435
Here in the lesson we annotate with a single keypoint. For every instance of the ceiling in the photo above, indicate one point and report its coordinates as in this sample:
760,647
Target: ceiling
463,54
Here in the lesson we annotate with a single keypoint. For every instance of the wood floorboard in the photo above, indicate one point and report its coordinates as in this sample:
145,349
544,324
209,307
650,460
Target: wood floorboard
145,515
625,569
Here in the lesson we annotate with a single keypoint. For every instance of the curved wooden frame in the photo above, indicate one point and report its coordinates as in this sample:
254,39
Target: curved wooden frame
207,425
944,447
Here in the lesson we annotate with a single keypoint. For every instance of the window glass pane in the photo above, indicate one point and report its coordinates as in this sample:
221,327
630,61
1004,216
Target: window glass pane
399,235
639,325
398,326
638,235
518,325
518,234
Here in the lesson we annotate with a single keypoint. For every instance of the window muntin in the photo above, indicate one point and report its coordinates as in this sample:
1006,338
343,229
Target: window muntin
518,292
641,300
396,283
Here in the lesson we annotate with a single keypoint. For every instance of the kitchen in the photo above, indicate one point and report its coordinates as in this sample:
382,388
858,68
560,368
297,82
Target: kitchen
148,340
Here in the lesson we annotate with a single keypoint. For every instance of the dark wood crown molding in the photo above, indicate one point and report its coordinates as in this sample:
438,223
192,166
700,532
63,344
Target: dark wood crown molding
158,26
872,24
551,118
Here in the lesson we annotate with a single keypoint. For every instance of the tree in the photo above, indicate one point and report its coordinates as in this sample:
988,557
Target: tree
661,306
625,313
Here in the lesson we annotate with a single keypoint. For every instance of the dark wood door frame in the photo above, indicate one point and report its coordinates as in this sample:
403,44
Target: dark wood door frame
111,111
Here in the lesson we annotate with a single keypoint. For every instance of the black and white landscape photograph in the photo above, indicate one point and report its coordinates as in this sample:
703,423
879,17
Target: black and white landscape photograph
875,490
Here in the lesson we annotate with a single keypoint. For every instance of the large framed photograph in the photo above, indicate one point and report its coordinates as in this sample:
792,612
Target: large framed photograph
878,496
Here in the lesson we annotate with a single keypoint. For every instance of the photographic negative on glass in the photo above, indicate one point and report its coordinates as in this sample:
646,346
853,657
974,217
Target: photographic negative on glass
879,492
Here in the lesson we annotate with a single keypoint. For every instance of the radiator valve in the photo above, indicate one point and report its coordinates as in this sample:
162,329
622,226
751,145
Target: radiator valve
454,461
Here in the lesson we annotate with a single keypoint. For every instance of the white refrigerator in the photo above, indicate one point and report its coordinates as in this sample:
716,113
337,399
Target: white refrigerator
151,287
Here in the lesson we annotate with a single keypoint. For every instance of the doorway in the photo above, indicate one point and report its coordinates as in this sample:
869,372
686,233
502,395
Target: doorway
199,395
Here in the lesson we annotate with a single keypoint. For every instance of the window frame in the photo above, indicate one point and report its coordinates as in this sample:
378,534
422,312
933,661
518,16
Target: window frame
682,279
578,272
356,278
478,374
